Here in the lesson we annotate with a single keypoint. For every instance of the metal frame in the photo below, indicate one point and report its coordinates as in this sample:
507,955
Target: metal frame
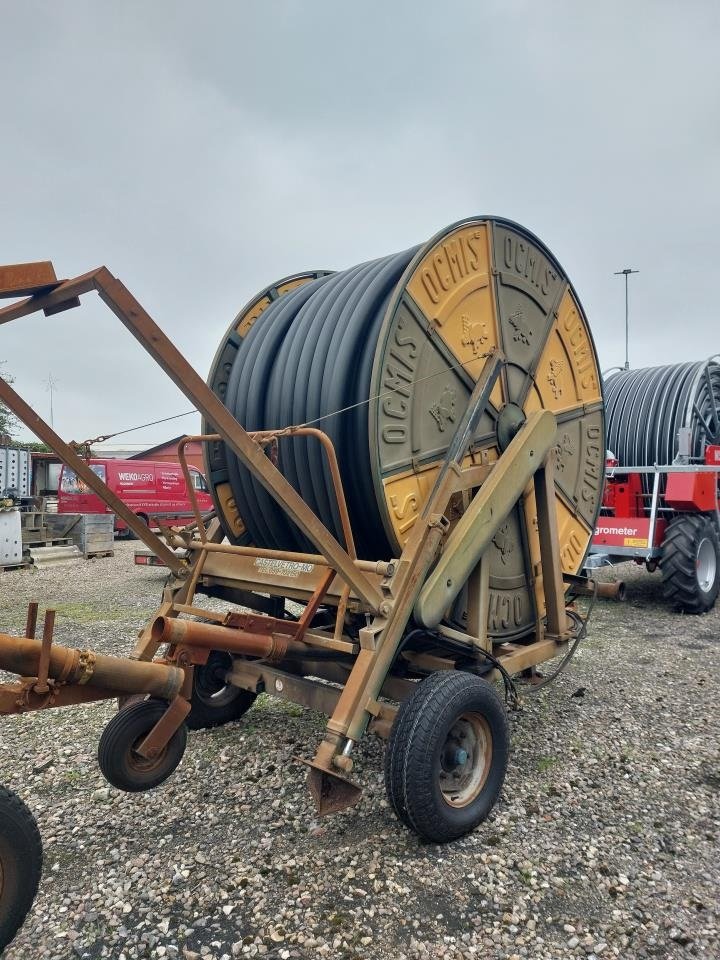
385,593
653,550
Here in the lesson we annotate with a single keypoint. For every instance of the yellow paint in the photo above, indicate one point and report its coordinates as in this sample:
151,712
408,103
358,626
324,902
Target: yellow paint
247,319
292,285
567,374
574,537
453,287
225,500
531,524
573,534
407,492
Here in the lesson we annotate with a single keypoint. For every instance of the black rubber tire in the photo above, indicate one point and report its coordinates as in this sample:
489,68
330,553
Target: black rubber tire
124,769
205,713
413,755
679,563
21,862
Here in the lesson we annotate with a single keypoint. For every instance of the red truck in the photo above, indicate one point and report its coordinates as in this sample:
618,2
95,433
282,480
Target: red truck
154,490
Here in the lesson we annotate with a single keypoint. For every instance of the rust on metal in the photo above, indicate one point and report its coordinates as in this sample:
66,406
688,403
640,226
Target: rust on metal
21,697
209,636
169,358
47,640
347,668
66,292
166,727
330,790
22,655
31,622
199,522
45,432
23,279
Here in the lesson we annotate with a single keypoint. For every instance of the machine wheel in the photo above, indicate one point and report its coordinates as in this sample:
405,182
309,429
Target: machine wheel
447,755
215,702
20,864
690,563
121,765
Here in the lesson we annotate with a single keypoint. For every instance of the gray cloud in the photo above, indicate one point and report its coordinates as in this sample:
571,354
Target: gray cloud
204,150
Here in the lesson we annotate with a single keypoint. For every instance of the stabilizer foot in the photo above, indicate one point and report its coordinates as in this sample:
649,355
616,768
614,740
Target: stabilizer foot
331,791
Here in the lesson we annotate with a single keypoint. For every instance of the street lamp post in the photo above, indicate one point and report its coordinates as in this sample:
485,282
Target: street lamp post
626,273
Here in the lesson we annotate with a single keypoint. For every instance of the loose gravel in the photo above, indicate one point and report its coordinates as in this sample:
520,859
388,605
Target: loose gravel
604,843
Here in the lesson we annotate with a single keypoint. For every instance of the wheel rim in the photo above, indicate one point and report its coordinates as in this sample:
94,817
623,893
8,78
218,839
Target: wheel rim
211,686
465,759
706,565
145,765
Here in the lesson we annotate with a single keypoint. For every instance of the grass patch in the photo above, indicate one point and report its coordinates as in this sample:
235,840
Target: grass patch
91,612
272,704
546,763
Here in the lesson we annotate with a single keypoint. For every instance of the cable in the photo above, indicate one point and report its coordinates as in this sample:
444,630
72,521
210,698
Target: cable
582,633
151,424
511,695
119,433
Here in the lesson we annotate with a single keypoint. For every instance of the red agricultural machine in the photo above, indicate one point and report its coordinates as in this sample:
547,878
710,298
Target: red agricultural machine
661,504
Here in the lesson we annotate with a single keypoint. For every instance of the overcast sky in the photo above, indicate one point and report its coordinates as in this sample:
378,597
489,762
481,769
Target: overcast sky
202,150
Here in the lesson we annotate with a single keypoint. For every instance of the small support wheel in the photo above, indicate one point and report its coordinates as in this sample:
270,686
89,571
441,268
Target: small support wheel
214,701
20,864
690,563
447,755
121,764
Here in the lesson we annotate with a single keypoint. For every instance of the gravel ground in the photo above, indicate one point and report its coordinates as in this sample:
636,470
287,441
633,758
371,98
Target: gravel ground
604,842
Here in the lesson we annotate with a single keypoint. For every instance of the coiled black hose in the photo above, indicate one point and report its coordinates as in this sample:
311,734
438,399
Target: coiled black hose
310,353
646,408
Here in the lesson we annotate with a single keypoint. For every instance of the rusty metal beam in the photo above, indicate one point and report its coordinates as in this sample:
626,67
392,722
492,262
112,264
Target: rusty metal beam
487,511
165,729
131,313
44,431
382,638
309,693
23,279
519,657
22,655
20,697
63,296
552,570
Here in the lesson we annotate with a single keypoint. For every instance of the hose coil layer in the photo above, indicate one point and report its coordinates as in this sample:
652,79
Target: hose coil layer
646,409
400,341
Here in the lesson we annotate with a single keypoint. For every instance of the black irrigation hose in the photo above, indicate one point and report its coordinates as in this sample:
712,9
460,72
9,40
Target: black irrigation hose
308,354
646,408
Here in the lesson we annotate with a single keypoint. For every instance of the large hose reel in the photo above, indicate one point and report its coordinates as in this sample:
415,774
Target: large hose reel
656,415
383,357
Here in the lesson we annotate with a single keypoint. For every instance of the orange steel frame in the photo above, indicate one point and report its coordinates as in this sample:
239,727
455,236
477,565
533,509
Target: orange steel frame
385,590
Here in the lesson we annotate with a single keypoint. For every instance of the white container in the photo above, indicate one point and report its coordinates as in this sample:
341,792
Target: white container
15,470
10,538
